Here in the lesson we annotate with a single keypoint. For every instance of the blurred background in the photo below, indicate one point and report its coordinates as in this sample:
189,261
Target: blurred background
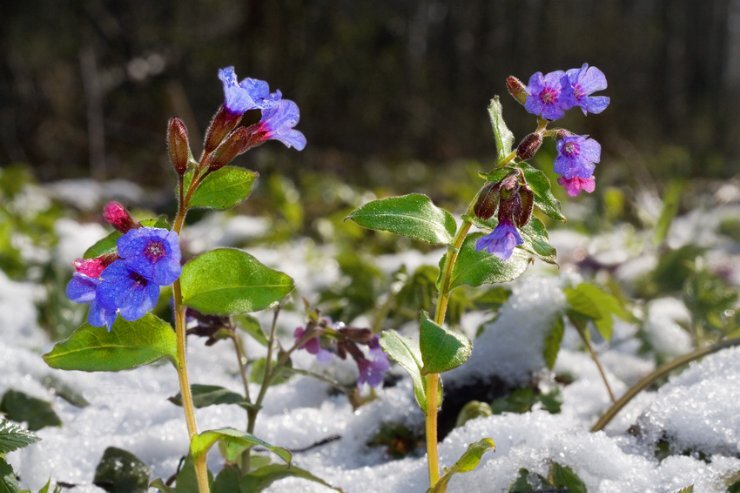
86,87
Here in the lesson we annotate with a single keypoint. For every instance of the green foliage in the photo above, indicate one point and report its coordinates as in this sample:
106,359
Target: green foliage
202,442
559,478
120,471
467,462
522,400
528,482
8,482
22,408
501,134
591,302
398,439
227,481
222,189
565,477
227,281
406,353
540,185
669,276
363,285
262,478
537,241
257,372
474,268
251,326
442,349
553,339
128,345
473,410
108,244
64,391
14,437
413,216
712,302
210,395
687,489
671,200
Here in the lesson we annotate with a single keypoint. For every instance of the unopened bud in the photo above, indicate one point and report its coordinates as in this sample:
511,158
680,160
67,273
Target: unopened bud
509,186
526,204
529,146
93,267
224,121
117,216
510,202
517,89
362,336
236,143
178,146
487,201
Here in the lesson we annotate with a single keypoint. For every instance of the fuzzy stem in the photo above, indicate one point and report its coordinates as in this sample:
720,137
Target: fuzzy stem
659,373
595,358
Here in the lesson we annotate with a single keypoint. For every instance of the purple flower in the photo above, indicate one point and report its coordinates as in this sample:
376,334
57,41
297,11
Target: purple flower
83,289
501,241
574,185
577,156
124,290
578,85
277,123
249,94
153,253
313,345
545,97
374,368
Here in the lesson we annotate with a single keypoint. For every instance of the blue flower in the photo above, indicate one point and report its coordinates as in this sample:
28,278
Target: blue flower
83,289
249,94
501,241
153,253
126,291
545,97
277,123
578,85
577,156
373,370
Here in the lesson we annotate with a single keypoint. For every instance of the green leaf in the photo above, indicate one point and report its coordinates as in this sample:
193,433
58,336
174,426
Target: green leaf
224,188
202,442
671,201
501,133
474,268
251,326
161,486
64,391
473,410
187,480
226,281
22,408
543,197
257,372
14,437
413,215
227,481
263,477
497,174
590,301
687,489
564,476
553,339
108,244
120,471
536,241
442,349
406,353
467,462
128,345
8,482
209,395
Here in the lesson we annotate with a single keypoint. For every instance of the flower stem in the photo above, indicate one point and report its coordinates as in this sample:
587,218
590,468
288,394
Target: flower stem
595,358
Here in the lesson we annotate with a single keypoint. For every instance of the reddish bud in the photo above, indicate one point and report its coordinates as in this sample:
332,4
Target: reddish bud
517,89
510,202
529,146
526,204
224,121
236,143
117,216
178,146
487,201
93,267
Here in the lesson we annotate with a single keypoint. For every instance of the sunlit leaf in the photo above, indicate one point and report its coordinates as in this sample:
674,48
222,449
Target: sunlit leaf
442,349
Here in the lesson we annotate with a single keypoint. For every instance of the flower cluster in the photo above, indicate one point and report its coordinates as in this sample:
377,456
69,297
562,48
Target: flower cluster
323,339
126,282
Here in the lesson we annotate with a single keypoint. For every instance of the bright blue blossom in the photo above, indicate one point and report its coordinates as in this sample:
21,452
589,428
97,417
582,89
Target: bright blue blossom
373,369
249,94
153,253
578,85
501,241
277,123
577,156
126,291
83,289
545,95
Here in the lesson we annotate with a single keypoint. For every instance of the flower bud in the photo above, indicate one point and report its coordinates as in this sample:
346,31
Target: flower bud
510,202
529,146
93,267
224,121
178,146
236,143
117,216
487,201
526,204
517,89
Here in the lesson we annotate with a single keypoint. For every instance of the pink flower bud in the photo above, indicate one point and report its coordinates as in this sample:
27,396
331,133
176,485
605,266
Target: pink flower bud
178,147
117,216
517,89
224,121
93,267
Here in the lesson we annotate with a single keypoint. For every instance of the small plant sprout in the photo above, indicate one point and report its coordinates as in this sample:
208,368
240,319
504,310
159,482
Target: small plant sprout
503,207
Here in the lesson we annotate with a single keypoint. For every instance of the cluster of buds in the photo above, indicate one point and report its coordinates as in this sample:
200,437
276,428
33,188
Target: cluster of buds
225,139
514,201
325,339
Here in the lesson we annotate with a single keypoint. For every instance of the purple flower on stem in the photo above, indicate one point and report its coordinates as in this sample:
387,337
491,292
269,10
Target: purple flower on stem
277,123
577,156
545,97
124,290
574,185
83,289
501,241
578,85
249,94
153,253
313,345
373,369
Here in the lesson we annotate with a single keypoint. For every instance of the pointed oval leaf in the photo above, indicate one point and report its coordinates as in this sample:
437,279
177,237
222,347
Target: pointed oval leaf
224,188
13,436
126,346
442,349
501,133
23,408
406,353
467,462
536,240
229,281
413,215
209,395
263,477
202,442
553,339
474,268
540,185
